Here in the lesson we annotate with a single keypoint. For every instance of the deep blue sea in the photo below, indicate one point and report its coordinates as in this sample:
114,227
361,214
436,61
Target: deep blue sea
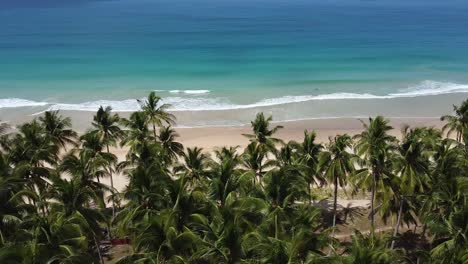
228,54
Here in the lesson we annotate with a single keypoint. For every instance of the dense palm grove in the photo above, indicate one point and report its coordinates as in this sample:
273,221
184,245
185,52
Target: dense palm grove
252,205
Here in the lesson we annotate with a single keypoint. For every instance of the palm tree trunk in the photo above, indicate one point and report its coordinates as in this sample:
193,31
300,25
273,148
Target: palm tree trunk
372,202
423,234
335,199
276,225
395,233
98,250
112,186
154,133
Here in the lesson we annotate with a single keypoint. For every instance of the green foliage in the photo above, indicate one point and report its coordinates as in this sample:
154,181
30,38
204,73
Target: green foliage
251,206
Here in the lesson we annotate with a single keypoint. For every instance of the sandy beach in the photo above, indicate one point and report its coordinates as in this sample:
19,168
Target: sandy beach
210,138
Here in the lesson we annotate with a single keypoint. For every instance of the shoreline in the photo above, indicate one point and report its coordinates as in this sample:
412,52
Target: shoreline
421,107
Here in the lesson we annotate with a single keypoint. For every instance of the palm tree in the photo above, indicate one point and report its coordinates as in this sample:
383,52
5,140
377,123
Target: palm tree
10,211
309,152
224,180
137,133
3,128
263,134
457,123
86,167
452,237
194,166
413,166
167,137
33,154
369,249
226,233
58,128
106,125
336,163
198,209
55,238
156,112
284,186
375,146
75,197
255,161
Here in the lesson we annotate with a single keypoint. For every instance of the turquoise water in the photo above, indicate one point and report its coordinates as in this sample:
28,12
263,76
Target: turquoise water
227,54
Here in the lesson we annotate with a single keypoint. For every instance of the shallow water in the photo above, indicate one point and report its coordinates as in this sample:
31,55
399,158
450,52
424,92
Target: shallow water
226,55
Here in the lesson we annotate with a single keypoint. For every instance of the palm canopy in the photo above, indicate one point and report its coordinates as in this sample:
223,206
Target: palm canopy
263,134
375,148
58,128
156,112
137,132
458,122
309,151
106,124
3,127
337,162
167,136
412,162
195,164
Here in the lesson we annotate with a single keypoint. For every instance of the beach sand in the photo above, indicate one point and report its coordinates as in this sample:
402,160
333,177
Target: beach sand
210,138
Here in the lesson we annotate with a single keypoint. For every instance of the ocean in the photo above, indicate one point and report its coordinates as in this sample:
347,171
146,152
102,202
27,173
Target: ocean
220,62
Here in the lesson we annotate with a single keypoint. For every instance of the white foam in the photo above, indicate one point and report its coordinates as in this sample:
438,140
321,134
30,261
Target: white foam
198,103
128,105
431,88
16,102
190,91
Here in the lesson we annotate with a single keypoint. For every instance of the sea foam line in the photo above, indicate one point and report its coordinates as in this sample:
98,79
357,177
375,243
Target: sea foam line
183,91
190,91
212,104
17,102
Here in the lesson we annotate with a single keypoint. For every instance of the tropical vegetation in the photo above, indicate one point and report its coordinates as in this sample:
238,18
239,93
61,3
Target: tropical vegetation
253,205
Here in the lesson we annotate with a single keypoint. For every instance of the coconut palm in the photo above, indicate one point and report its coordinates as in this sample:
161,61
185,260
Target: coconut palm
304,245
172,148
263,134
224,180
412,164
86,167
106,124
58,128
256,162
10,211
458,122
55,238
137,132
250,207
375,147
451,237
32,154
336,163
369,249
225,234
309,152
3,128
194,166
284,187
156,112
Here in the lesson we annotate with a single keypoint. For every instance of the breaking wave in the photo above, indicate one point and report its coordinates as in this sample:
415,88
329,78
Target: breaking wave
198,103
